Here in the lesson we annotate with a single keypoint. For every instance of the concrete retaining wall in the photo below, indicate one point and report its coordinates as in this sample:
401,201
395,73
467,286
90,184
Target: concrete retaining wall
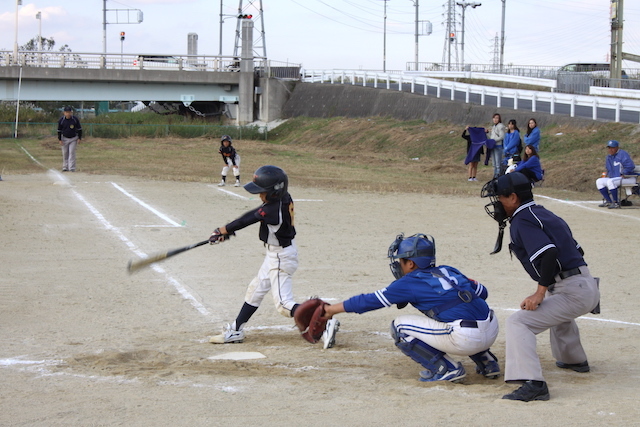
327,100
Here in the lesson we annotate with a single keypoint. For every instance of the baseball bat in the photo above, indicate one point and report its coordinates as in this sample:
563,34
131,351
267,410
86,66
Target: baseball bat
135,265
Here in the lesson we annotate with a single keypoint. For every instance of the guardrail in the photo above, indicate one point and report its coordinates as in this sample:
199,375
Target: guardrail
364,78
113,61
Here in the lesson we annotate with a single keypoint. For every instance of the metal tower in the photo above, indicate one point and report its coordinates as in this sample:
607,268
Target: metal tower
451,36
251,9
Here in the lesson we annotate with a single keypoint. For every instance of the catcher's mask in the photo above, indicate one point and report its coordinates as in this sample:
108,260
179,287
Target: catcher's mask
504,185
419,248
226,138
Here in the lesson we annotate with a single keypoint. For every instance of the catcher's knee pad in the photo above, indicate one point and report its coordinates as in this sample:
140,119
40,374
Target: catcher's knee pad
225,171
422,353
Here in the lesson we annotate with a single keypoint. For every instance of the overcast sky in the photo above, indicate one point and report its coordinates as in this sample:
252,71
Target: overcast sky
323,34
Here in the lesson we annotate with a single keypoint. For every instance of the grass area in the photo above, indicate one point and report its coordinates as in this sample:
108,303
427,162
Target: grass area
367,154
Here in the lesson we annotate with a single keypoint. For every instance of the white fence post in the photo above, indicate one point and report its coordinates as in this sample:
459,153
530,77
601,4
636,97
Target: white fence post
400,84
467,94
515,100
552,105
413,85
453,91
618,107
375,81
438,89
364,79
426,86
595,109
353,78
573,107
533,103
388,82
499,99
482,94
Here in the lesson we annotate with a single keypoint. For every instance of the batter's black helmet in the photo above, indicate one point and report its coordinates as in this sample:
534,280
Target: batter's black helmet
269,179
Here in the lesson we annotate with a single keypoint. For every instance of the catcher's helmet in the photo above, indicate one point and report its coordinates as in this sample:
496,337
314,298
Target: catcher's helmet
269,179
225,138
419,248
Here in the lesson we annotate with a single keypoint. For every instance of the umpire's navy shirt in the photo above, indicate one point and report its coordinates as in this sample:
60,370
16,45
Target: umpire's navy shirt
534,230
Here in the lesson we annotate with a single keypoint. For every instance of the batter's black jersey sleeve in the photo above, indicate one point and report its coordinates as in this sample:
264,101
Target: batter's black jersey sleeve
228,153
69,127
276,221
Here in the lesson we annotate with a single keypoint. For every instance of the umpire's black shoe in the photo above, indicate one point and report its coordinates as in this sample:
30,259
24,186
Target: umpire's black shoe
578,367
529,391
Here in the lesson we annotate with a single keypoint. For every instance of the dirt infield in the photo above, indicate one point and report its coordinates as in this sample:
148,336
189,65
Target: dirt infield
83,343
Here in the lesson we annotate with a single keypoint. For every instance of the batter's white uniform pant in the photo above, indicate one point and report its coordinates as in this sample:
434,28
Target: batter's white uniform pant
236,168
450,337
275,275
613,183
571,298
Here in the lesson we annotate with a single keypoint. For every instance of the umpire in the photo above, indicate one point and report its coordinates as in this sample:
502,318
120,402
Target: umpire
566,290
69,135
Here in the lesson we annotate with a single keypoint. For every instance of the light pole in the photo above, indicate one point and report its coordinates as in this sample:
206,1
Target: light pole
415,2
464,6
15,44
39,18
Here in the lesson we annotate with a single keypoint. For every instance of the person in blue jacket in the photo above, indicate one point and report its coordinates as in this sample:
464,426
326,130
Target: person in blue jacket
532,136
453,314
512,143
530,165
618,163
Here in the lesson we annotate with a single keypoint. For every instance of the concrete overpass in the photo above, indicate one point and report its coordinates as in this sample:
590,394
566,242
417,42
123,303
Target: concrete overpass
244,88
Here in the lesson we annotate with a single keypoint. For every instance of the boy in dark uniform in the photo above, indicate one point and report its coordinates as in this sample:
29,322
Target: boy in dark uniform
231,159
277,231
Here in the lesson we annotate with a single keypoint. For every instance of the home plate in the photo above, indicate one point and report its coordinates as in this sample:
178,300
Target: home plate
239,355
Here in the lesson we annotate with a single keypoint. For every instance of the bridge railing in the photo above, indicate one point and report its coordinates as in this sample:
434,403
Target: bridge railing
421,85
115,61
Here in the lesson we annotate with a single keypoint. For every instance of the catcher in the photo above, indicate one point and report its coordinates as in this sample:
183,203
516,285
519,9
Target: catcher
455,317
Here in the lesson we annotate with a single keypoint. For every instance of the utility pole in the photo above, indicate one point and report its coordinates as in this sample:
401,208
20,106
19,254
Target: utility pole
417,33
616,40
502,36
464,6
384,39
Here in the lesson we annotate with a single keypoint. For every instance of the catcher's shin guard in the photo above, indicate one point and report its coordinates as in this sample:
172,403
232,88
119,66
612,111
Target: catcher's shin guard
420,352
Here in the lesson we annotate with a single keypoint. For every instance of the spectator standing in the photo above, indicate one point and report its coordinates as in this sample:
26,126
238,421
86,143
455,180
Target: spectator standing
475,159
69,135
618,163
532,137
497,133
512,143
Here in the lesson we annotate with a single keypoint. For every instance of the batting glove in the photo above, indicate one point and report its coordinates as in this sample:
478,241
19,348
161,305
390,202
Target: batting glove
217,237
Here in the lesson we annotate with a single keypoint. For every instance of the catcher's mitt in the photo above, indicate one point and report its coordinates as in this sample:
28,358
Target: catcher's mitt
309,317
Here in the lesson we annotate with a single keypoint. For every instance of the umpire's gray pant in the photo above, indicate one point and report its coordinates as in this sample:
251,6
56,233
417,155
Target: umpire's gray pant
69,152
571,298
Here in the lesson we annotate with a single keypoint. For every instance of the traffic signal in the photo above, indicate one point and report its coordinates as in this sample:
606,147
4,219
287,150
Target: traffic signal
121,36
452,37
245,16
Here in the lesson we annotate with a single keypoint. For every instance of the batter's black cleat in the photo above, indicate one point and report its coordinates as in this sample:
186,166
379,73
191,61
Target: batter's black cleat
529,391
578,367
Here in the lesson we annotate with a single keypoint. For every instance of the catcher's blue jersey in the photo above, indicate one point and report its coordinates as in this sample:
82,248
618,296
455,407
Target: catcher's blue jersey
424,290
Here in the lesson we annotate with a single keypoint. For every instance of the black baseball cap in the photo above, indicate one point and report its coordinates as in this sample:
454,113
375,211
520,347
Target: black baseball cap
67,108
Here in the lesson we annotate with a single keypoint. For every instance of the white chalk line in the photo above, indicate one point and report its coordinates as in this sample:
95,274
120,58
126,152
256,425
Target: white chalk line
176,284
597,319
145,205
612,212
